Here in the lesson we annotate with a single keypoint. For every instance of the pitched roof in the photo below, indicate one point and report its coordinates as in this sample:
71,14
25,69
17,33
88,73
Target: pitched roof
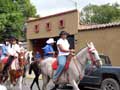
98,26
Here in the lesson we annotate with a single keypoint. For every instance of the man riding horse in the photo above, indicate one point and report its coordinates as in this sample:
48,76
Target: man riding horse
68,72
63,52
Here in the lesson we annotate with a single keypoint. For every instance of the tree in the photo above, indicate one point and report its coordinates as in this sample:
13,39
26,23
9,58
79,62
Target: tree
95,14
13,14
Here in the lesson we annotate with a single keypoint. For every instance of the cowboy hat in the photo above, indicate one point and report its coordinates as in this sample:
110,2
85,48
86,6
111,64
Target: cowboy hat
50,40
63,33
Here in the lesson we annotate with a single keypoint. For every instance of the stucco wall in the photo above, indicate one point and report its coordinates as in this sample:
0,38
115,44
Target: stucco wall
71,20
107,41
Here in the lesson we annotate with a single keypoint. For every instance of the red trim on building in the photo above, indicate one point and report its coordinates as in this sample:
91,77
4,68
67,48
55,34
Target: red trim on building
36,30
48,26
61,24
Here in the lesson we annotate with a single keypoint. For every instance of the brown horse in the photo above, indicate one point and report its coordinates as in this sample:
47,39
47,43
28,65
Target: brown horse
18,72
2,64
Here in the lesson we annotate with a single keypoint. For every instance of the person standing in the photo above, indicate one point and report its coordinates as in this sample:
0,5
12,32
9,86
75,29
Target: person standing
63,51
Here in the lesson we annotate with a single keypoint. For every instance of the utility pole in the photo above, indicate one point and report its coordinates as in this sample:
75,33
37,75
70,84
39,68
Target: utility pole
76,3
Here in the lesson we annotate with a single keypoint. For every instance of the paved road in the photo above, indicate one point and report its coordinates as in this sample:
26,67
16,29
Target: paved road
26,86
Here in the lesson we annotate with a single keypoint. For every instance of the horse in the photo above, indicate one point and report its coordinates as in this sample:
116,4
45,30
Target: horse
29,56
29,59
35,67
75,71
2,64
16,70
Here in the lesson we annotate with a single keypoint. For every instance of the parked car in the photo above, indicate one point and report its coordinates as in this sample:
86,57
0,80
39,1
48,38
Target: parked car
106,77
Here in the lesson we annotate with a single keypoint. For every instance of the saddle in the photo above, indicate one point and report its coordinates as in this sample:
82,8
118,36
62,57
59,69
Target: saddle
55,63
5,60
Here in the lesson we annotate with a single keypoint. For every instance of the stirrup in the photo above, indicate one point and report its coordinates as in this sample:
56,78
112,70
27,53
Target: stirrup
55,80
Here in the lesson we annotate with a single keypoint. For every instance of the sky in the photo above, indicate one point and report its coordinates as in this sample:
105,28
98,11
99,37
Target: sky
49,7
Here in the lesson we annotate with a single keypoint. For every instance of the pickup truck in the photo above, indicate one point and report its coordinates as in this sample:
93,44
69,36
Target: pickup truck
106,77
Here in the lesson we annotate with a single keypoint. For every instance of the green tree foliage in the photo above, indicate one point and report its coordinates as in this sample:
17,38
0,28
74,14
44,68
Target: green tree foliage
13,14
94,14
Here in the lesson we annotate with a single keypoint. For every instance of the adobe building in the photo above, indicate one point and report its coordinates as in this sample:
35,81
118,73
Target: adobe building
104,36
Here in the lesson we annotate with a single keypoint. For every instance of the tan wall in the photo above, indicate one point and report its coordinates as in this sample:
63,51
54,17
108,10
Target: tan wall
71,25
107,41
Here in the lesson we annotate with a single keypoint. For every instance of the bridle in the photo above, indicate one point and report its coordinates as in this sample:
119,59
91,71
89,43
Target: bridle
91,56
92,59
21,60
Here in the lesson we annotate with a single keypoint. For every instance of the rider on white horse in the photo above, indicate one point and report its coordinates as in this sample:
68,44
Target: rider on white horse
63,51
48,49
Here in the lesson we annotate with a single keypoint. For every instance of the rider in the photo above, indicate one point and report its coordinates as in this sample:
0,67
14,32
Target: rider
63,51
48,49
37,56
13,51
4,51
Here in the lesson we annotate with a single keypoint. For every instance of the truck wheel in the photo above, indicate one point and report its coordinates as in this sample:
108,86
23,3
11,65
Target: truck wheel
110,84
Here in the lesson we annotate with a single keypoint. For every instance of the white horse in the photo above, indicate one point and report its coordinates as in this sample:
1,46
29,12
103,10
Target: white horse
29,56
76,68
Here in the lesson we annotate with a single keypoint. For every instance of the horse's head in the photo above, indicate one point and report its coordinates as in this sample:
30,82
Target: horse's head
93,54
21,59
89,53
30,56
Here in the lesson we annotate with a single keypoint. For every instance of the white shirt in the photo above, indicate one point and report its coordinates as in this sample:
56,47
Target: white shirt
13,50
65,44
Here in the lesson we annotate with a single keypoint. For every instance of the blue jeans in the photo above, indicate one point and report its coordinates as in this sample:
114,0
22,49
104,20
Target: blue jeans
61,63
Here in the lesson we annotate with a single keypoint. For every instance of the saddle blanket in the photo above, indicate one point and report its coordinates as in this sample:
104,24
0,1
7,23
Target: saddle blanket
5,60
55,65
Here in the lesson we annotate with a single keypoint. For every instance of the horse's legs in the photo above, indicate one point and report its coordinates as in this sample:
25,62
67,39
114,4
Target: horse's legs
32,84
55,87
45,82
20,82
37,82
74,84
6,77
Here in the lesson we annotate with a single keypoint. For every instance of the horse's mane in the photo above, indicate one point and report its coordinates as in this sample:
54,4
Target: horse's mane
81,51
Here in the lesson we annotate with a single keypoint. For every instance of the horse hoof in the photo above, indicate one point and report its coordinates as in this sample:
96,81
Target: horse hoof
53,89
30,88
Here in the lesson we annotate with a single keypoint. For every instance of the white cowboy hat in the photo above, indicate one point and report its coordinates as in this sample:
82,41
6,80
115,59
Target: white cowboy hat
50,40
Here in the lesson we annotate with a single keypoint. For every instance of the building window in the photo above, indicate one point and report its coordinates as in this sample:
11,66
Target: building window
61,24
48,26
36,30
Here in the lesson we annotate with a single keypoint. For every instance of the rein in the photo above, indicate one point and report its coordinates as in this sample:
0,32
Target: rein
93,61
91,56
75,58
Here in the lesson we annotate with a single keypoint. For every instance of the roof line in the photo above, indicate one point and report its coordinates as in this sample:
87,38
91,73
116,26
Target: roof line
58,14
99,26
